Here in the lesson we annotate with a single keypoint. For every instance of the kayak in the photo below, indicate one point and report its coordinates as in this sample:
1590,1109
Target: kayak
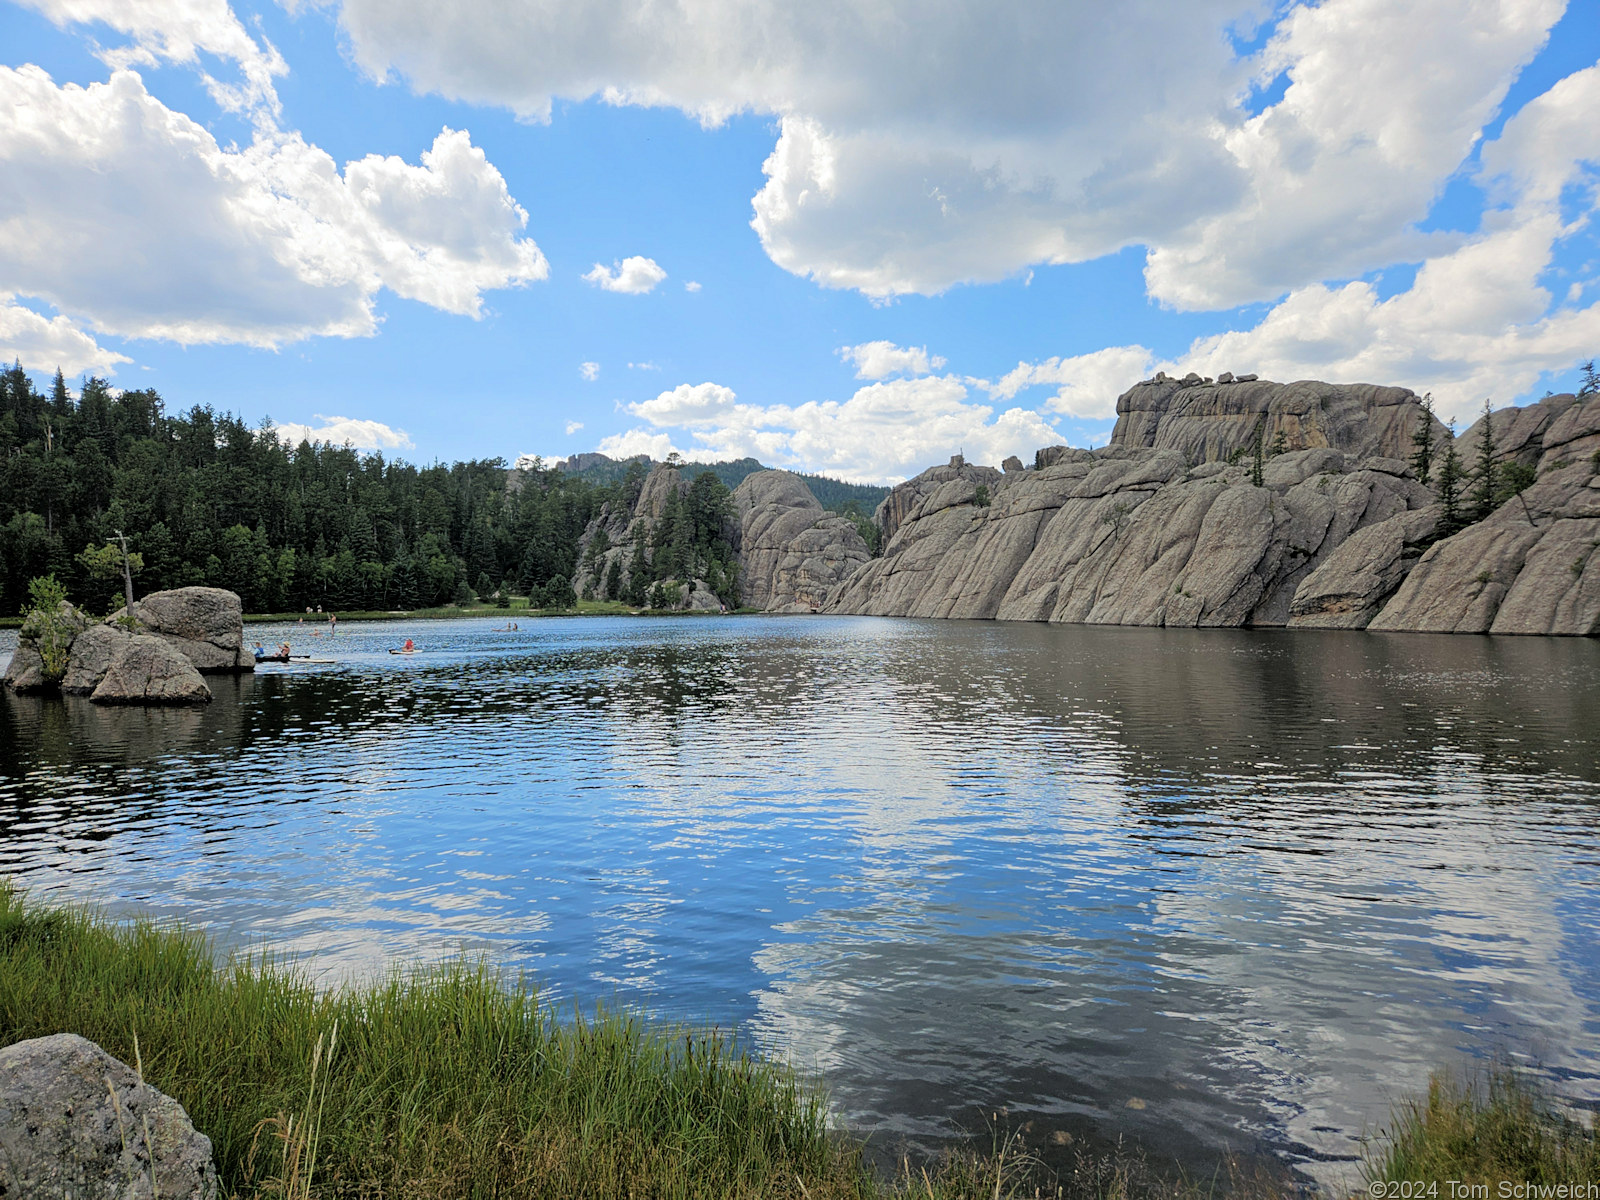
402,652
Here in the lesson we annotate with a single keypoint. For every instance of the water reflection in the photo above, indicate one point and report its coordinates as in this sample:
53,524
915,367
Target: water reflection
1208,888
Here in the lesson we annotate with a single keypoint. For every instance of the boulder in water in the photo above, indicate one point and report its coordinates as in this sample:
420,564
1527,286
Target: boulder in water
147,670
205,624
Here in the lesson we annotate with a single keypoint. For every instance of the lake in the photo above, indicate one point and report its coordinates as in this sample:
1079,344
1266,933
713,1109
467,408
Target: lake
1201,889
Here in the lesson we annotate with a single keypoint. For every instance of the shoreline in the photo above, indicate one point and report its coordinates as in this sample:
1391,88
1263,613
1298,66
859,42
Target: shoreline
610,1104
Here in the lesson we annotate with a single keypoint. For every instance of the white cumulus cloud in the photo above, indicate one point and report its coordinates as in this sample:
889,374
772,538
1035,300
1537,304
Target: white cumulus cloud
338,431
1087,384
879,360
638,441
920,147
883,433
1477,321
633,276
179,31
262,245
45,343
573,427
589,370
691,286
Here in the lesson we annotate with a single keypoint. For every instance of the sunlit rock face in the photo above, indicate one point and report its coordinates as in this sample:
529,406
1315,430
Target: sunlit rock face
1170,524
1159,527
793,553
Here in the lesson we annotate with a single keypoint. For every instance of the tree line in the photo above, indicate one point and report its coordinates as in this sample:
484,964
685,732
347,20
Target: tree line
204,498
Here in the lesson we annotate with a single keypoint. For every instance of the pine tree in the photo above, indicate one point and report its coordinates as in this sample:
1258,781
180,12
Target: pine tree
614,578
1422,440
638,571
1256,461
1486,478
1591,380
1450,488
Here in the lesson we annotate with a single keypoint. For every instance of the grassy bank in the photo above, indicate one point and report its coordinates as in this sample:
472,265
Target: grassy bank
456,1081
1483,1131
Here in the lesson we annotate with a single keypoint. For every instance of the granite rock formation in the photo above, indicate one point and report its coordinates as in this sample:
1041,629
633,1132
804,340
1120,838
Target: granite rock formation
75,1121
204,624
112,663
1205,420
792,552
1168,525
897,505
1129,537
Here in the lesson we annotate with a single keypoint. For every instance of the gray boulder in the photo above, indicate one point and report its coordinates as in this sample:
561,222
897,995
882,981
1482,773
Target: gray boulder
25,673
75,1122
148,670
205,624
93,652
793,553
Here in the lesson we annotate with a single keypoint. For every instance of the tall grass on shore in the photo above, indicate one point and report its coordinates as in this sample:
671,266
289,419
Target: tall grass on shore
456,1082
1498,1127
446,1082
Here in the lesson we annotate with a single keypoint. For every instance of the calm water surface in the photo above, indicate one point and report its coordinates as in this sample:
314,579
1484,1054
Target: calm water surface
1201,889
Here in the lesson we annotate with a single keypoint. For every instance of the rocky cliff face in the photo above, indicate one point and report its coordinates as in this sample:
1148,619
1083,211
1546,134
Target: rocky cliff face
1531,566
892,512
1206,420
1159,529
1130,537
792,552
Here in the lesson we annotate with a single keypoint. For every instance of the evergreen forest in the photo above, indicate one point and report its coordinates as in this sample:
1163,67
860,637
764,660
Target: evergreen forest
205,498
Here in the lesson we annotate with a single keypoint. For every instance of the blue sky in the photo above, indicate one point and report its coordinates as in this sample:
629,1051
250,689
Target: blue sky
844,237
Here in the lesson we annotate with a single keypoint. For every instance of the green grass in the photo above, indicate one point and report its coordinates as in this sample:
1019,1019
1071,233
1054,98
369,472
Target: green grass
458,1081
1497,1127
449,1081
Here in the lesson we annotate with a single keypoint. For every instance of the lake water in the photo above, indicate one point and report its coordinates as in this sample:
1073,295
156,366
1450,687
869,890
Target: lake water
1202,889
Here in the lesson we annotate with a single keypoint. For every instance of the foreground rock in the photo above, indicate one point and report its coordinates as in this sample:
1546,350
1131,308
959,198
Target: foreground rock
147,670
73,1122
204,624
793,553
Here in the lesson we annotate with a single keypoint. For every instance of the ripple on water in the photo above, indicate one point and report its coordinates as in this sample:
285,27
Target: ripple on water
1195,887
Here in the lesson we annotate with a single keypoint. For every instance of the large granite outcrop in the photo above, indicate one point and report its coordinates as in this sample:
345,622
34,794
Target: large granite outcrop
792,552
624,526
894,508
1160,528
1206,420
75,1121
204,624
1129,537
